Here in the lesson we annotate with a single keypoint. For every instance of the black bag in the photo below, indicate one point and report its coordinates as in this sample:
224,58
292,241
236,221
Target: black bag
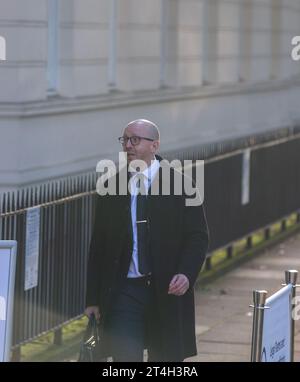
90,349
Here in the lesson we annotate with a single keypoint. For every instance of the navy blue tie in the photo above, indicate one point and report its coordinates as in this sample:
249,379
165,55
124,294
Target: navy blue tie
142,231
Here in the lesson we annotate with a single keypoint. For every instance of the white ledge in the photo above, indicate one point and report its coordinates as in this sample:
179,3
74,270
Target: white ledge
115,99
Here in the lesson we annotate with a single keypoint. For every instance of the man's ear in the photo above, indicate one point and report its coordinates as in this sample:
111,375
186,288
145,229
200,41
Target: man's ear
155,146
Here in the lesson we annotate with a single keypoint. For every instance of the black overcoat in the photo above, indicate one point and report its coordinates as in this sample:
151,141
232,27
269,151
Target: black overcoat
178,244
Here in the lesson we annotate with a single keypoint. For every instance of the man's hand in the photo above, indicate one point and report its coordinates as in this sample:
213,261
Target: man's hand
93,310
179,285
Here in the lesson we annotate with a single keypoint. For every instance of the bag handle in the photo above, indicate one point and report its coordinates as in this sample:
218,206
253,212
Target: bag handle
92,328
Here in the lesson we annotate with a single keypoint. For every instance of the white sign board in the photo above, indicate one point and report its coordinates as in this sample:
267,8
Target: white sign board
8,252
246,177
276,342
32,247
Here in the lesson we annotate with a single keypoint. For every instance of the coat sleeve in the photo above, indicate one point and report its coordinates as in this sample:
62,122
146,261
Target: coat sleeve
195,242
94,260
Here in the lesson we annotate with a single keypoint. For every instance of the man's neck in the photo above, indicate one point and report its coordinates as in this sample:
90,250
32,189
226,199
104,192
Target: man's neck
149,163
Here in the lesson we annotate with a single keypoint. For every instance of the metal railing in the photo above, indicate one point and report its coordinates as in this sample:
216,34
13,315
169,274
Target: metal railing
66,208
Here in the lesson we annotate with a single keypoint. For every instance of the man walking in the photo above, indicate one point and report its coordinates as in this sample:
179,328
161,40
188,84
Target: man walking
146,251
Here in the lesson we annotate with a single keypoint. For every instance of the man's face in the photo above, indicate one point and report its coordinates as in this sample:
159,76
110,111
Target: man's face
145,150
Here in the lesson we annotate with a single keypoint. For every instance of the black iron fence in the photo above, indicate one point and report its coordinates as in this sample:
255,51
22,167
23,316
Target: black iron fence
66,215
66,208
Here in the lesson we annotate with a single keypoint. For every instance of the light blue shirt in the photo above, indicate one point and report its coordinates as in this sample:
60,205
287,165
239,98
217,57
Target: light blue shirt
149,174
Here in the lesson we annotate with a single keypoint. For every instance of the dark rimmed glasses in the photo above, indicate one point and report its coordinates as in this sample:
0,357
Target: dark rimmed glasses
134,140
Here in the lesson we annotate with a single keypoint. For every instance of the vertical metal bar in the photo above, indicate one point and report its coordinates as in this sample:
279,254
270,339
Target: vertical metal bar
1,219
19,303
13,218
35,302
31,291
259,299
17,277
4,219
82,225
249,242
76,253
72,253
83,244
291,278
26,333
58,337
67,251
74,230
229,252
44,233
55,265
53,260
57,260
283,225
48,308
62,250
267,233
40,270
16,355
59,253
9,218
208,263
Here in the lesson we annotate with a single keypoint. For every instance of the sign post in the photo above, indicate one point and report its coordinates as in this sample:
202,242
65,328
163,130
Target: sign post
8,253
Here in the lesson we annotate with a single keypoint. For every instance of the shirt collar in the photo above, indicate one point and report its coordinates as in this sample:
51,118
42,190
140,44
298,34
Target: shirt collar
149,172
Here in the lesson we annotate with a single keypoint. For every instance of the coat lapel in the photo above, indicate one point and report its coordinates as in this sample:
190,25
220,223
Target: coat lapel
124,214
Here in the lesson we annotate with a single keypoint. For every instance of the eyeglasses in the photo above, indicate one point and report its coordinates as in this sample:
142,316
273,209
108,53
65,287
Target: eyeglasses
134,140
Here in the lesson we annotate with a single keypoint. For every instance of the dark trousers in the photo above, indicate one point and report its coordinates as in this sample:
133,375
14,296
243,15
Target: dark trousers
133,324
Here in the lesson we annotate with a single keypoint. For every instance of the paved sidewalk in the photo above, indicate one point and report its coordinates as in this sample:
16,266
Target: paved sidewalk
223,316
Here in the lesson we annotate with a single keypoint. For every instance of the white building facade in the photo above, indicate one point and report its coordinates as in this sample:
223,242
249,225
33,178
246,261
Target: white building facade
77,71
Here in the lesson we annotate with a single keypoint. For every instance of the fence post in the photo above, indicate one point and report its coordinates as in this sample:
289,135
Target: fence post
16,354
259,299
249,242
283,225
57,337
208,264
267,233
229,252
291,278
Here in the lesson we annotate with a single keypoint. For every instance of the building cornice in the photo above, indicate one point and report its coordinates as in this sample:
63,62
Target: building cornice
62,105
